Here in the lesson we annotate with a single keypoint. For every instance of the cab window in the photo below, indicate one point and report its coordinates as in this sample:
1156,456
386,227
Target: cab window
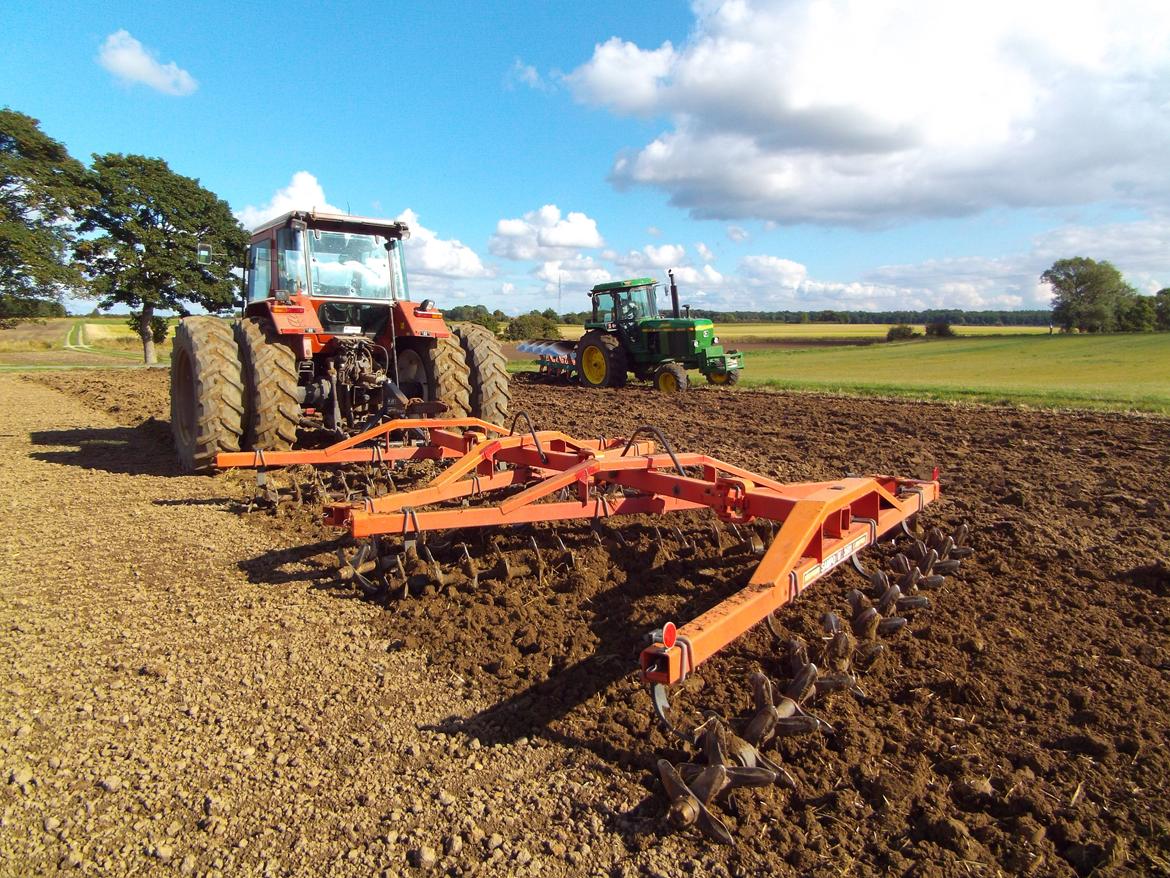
259,270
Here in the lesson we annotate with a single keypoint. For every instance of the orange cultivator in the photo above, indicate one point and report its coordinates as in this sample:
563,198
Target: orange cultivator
500,477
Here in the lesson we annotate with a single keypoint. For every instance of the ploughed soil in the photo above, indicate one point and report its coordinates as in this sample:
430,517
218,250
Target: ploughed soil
1016,726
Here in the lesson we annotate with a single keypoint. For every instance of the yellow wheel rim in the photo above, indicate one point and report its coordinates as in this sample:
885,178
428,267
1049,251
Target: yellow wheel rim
719,377
593,364
667,383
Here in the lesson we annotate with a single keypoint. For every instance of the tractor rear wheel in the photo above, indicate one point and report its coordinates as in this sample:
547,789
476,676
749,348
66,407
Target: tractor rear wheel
207,392
724,379
490,390
270,380
435,369
601,360
671,378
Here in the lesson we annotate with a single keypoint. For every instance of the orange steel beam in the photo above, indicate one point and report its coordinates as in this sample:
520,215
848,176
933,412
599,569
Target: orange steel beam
825,527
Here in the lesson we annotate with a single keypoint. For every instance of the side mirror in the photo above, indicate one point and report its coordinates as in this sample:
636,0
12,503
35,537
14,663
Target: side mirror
203,254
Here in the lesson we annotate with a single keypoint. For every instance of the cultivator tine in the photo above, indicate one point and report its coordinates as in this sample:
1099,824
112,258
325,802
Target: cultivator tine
879,583
402,575
900,564
437,575
909,603
910,582
888,599
686,809
717,538
570,558
928,561
803,684
840,682
503,568
951,565
774,626
797,655
865,623
469,568
891,626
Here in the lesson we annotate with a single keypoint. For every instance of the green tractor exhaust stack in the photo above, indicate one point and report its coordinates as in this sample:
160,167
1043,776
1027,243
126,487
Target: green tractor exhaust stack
626,334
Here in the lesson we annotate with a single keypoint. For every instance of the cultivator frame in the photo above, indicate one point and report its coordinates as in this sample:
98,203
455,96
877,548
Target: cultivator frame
543,475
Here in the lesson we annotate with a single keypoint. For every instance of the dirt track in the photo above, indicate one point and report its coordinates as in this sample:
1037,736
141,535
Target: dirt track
254,717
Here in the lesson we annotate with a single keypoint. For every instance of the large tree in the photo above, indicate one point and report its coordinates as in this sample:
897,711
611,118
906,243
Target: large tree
41,189
1088,295
1162,308
149,224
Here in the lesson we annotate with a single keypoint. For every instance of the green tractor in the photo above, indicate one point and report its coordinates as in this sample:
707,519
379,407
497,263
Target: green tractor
626,334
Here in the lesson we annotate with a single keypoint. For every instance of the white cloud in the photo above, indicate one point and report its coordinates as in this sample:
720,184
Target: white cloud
544,235
772,271
427,253
131,62
623,76
573,273
303,192
834,112
704,252
525,74
653,231
738,234
703,278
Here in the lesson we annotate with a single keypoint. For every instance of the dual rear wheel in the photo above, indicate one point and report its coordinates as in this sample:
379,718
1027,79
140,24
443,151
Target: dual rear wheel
236,385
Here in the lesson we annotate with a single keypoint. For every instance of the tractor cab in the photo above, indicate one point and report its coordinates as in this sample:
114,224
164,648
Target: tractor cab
348,270
623,303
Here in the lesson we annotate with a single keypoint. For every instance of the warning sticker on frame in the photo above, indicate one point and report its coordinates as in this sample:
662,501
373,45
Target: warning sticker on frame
833,560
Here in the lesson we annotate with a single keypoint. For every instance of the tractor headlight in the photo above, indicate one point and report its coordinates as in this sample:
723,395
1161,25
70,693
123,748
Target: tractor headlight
715,340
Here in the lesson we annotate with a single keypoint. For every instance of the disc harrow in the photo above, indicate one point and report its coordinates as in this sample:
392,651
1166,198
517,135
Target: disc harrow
485,476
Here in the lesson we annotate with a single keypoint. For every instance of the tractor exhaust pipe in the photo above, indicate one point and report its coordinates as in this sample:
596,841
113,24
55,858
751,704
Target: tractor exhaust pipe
674,295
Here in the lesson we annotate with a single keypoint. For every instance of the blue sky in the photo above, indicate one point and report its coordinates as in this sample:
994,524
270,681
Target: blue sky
776,154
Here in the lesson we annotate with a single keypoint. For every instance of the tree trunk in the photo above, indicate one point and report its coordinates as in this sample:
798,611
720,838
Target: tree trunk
147,336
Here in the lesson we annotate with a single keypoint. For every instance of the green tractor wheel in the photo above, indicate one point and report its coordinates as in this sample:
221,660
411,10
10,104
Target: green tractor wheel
725,379
601,360
671,378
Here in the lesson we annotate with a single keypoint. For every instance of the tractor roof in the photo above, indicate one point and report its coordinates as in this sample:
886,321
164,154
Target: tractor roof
338,222
623,284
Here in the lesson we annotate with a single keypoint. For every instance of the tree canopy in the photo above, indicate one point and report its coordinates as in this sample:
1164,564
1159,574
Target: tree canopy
148,222
42,188
1089,296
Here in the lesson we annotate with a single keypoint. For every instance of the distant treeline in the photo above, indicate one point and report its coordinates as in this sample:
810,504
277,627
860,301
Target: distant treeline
956,316
22,308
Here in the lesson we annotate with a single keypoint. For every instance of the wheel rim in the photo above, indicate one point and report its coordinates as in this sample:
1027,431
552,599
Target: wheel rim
667,383
593,364
412,375
719,377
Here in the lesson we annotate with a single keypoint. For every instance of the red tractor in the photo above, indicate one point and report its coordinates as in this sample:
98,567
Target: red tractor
329,344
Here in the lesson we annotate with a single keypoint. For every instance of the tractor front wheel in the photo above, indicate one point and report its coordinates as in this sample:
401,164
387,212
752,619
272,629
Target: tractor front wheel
601,360
436,369
488,373
270,381
671,378
724,379
207,392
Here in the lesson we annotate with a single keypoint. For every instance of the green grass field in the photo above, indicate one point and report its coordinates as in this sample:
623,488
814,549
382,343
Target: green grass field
795,332
1128,372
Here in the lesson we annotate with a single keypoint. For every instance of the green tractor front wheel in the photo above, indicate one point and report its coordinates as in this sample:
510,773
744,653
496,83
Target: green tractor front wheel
671,378
601,360
724,379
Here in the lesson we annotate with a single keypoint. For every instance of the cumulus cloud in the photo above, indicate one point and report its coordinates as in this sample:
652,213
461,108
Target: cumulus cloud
427,253
738,234
577,272
545,235
131,62
649,259
303,192
772,271
704,252
834,112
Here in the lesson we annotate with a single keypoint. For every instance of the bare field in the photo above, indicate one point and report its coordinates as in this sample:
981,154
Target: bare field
208,700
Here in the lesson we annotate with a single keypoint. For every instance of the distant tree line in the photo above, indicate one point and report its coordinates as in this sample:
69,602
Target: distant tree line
1091,296
956,316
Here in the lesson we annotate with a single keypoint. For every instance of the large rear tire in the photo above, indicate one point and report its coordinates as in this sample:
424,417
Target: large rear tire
601,360
491,392
272,405
207,392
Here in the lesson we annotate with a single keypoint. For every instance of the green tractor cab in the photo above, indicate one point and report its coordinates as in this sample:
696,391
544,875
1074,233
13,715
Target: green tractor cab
627,334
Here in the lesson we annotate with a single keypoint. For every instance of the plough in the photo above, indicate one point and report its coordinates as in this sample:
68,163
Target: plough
494,477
